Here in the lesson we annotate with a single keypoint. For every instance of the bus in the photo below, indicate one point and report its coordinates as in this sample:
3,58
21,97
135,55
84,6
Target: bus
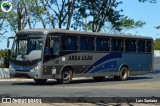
42,54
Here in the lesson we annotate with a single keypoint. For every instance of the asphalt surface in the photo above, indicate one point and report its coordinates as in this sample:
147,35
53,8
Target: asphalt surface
147,85
143,86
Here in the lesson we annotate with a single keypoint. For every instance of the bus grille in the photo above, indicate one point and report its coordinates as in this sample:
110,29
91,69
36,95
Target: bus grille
23,70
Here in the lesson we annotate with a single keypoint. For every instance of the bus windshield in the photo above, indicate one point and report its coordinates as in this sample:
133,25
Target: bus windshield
27,48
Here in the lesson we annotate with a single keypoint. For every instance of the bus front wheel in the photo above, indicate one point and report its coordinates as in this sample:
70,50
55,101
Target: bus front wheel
66,76
99,78
40,81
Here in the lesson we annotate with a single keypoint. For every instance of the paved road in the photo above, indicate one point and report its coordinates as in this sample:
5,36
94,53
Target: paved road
147,85
144,86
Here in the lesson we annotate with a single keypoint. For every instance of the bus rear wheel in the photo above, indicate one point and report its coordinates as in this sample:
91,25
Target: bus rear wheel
40,81
101,78
66,76
123,74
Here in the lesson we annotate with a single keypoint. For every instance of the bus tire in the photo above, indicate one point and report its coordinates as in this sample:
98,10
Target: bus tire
66,76
123,74
40,81
101,78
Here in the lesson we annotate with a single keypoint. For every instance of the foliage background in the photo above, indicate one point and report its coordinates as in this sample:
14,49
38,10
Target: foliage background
5,54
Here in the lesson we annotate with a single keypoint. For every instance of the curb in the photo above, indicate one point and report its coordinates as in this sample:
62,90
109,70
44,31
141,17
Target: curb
16,79
23,79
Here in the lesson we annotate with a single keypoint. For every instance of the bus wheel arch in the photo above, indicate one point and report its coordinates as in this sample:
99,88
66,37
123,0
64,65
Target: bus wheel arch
66,75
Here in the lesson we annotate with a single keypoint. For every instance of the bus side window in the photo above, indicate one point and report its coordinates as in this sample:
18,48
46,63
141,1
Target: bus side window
54,45
73,43
149,46
83,43
130,45
98,44
106,44
63,44
141,45
69,43
117,44
113,44
102,44
87,43
90,43
120,44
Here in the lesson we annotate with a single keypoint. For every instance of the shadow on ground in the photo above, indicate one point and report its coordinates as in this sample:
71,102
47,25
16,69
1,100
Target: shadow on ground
80,81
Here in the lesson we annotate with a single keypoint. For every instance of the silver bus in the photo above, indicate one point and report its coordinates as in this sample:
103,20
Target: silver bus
43,54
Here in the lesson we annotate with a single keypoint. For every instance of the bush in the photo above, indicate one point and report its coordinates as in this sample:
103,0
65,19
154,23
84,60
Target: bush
5,54
157,44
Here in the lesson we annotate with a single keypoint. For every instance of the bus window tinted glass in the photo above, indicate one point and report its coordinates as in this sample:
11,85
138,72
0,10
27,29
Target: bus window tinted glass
130,45
54,45
83,43
117,44
90,43
141,45
86,43
149,46
69,43
102,44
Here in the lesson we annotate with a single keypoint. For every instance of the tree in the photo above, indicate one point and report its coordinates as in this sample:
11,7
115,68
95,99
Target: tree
20,16
125,25
128,23
65,14
103,16
157,27
100,11
62,11
5,55
151,1
156,44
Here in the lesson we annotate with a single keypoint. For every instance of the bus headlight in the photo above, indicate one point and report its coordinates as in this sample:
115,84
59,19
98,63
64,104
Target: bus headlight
36,68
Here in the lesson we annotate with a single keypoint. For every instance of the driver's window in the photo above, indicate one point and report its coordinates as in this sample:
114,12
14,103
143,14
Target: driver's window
52,45
47,50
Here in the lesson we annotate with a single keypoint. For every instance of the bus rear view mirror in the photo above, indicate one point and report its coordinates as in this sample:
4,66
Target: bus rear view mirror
8,41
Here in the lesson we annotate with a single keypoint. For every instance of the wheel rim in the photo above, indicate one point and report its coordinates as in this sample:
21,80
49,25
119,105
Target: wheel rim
124,73
66,76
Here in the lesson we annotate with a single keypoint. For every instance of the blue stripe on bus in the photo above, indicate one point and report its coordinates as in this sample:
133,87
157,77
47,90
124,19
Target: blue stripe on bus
104,67
25,68
105,58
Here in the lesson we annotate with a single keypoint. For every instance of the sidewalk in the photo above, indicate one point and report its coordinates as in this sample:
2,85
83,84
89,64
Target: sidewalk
25,79
15,79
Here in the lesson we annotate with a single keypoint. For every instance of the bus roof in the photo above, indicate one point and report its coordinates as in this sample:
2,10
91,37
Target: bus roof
57,30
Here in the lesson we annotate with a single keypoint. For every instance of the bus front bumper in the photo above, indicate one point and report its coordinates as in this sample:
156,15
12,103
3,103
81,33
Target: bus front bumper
22,73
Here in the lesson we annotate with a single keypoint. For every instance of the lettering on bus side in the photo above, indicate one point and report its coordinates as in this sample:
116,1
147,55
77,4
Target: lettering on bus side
77,57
